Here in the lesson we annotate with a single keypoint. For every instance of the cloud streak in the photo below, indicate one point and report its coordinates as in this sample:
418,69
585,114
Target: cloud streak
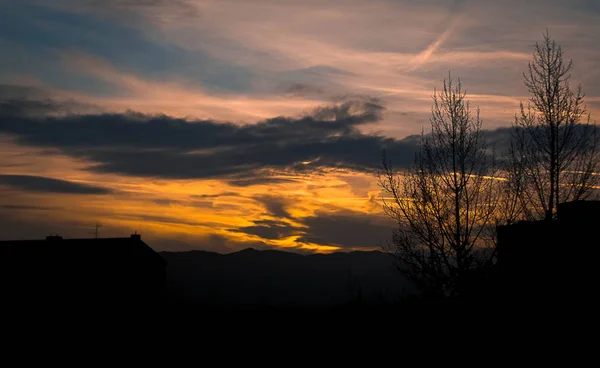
424,56
50,185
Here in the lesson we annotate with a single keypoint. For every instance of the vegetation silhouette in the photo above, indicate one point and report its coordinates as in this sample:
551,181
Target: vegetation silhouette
554,152
446,204
458,237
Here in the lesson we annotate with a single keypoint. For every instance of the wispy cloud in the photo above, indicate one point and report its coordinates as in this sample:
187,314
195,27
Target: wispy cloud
424,56
50,185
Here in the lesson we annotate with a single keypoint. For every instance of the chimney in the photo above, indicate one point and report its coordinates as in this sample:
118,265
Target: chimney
53,237
136,236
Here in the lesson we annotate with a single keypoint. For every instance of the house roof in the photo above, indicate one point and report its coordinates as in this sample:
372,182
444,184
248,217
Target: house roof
57,248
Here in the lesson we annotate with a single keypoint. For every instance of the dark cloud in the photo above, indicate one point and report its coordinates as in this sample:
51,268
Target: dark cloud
275,206
164,147
26,208
347,229
25,107
165,201
312,80
258,178
207,196
25,101
38,225
163,132
50,185
499,140
17,92
161,146
183,8
159,219
269,229
302,90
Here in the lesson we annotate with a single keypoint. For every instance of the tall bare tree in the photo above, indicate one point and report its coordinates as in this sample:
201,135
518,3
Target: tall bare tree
554,146
447,202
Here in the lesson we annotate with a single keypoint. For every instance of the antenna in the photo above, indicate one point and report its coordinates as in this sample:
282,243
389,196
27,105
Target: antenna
96,230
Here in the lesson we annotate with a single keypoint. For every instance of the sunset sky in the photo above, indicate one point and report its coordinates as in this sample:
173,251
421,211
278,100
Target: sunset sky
226,124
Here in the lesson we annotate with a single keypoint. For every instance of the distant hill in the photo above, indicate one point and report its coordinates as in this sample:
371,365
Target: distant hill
275,278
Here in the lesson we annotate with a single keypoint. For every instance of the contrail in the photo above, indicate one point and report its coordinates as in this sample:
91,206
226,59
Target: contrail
425,55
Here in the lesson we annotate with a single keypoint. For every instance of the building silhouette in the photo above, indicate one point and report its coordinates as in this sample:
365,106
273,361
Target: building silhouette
551,260
58,271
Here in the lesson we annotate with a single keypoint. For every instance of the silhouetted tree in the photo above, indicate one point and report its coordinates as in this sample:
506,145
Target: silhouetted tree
447,203
554,146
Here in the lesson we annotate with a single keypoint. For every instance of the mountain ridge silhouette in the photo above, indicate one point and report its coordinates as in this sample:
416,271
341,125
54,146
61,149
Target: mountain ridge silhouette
253,278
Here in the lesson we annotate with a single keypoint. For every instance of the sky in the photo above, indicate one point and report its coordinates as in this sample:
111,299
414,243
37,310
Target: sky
227,124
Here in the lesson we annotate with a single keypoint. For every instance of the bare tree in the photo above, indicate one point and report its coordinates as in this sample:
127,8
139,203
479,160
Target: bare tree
447,203
554,146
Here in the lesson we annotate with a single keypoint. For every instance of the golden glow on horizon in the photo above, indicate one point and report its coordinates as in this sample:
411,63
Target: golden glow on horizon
193,209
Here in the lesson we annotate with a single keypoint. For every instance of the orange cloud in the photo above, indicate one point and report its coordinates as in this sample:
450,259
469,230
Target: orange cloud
190,209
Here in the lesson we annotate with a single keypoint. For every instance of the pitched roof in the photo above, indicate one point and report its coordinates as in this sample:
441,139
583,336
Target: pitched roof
56,248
